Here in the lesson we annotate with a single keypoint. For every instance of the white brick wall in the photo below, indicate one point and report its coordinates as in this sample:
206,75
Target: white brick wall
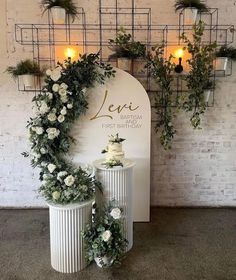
200,170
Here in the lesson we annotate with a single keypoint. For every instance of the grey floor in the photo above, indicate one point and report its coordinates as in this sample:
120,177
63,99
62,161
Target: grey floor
178,244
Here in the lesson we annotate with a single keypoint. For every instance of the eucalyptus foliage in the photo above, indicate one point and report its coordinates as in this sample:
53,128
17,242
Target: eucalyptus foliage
62,101
123,46
68,5
25,67
162,71
104,237
198,4
199,77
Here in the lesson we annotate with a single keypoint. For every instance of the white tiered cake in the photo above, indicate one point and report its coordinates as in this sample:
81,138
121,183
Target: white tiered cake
114,152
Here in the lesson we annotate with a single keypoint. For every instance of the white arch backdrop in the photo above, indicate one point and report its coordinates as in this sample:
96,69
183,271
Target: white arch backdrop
120,106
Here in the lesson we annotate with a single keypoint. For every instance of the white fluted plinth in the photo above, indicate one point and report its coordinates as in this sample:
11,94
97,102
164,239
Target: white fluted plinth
117,184
66,224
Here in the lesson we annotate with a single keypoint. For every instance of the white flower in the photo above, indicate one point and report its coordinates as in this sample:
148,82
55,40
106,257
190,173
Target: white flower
52,117
64,99
56,195
106,235
44,164
61,174
43,109
115,213
35,155
69,106
54,110
39,130
169,124
61,118
84,90
51,167
63,111
52,133
56,74
62,92
49,95
64,86
69,181
43,151
55,87
48,72
83,188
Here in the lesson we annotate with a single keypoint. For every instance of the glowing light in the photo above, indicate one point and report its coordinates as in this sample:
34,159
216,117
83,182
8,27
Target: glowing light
179,53
70,52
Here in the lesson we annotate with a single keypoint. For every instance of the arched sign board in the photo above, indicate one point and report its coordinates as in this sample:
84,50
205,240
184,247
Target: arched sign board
120,106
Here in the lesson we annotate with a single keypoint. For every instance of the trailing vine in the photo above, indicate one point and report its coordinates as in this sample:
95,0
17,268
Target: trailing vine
199,77
62,101
162,71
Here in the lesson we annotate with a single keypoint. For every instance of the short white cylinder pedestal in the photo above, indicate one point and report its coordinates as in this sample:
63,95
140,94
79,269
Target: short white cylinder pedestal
117,184
66,242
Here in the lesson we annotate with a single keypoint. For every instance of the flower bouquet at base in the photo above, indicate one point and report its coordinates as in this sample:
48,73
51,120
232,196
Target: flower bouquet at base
104,240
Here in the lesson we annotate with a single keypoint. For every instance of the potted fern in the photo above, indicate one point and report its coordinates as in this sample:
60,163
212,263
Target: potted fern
126,50
27,70
190,9
59,9
222,57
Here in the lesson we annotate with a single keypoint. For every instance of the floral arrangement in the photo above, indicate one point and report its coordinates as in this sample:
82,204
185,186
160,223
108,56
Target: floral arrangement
197,4
112,163
104,239
226,51
61,102
116,139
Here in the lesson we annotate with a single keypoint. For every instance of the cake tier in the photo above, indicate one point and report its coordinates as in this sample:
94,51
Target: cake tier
114,147
115,156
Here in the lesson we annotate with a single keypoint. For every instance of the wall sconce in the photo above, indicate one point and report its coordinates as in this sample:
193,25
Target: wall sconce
64,52
70,53
179,54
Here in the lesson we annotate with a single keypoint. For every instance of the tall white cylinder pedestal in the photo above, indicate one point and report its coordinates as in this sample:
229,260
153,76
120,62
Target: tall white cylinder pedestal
117,184
66,242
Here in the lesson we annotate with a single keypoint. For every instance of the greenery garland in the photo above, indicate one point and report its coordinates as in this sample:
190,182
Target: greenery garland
162,71
62,101
199,77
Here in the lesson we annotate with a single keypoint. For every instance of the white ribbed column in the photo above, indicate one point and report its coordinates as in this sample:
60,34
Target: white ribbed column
117,184
66,224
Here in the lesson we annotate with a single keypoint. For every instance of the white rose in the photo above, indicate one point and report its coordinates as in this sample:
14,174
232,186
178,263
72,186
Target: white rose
43,151
52,117
56,195
115,213
48,72
43,109
51,167
61,118
106,235
61,174
69,180
84,188
63,111
39,130
84,90
64,99
70,106
49,95
62,92
55,87
52,132
56,74
36,155
64,86
35,109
